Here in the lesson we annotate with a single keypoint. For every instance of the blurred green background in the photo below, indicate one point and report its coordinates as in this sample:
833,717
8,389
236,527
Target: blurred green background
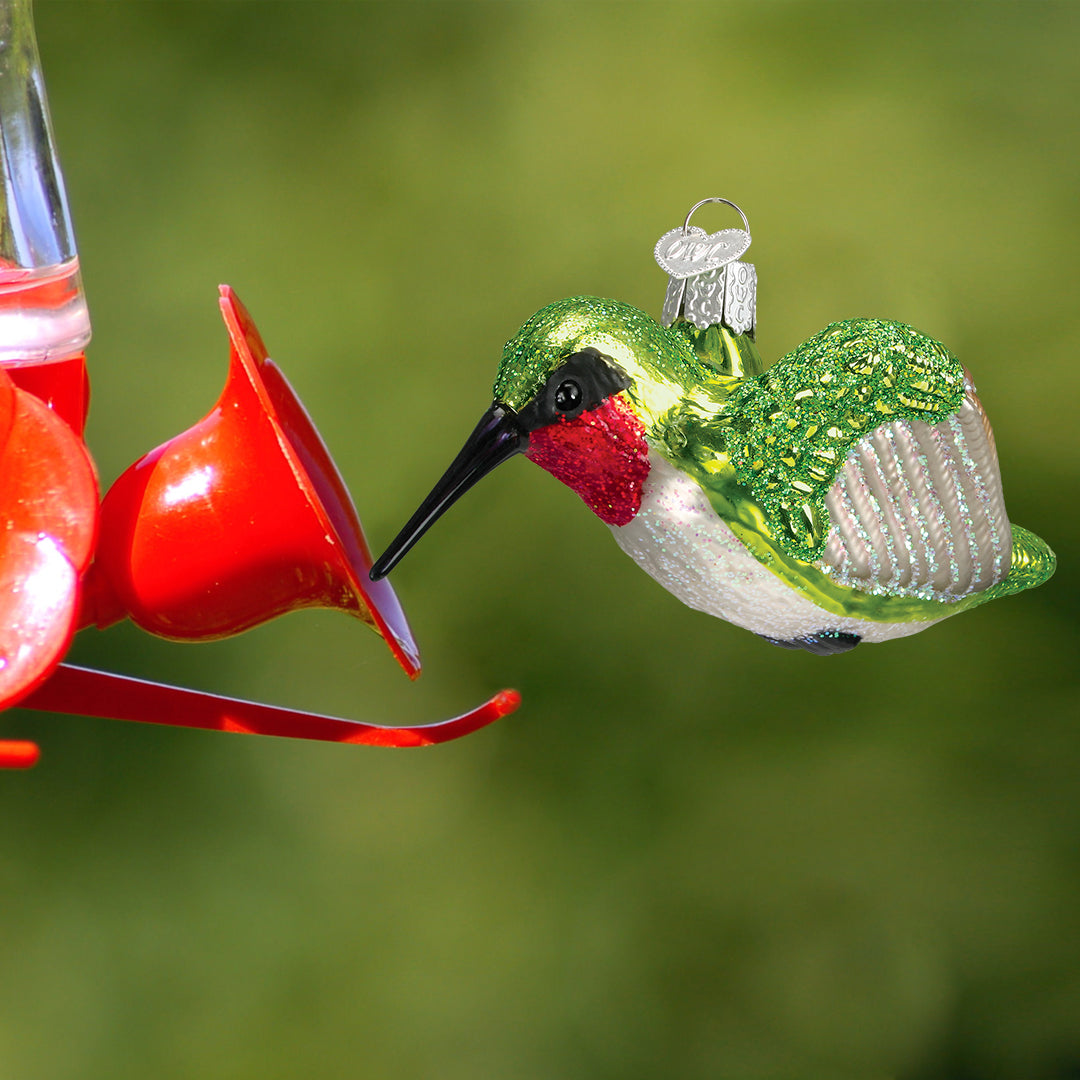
689,854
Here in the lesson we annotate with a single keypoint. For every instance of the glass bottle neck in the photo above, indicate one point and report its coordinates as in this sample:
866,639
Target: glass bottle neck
43,314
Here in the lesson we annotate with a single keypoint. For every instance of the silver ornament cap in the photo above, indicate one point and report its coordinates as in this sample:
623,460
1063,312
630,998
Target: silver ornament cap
708,284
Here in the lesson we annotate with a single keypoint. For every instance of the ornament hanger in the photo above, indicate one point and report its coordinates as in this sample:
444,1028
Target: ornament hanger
712,199
708,285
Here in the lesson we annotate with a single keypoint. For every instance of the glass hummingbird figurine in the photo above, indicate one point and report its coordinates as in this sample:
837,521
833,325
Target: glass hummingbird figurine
849,493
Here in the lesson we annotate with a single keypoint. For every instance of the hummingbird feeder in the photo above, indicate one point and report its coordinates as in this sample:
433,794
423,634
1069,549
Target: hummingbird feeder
239,519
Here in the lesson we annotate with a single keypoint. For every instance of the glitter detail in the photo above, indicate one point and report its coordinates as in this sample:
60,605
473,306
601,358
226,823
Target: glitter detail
974,441
927,508
942,487
934,505
910,481
602,455
662,364
789,429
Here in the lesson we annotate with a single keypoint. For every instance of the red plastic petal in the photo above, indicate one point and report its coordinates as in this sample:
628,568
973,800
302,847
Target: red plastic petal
49,481
63,385
318,475
38,598
48,509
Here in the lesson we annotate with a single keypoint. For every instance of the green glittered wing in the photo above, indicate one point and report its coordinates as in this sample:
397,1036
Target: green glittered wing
788,431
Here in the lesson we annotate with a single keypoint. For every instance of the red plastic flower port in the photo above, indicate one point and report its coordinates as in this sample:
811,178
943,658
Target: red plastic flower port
239,519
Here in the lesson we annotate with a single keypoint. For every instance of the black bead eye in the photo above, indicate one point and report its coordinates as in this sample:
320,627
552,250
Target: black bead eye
568,396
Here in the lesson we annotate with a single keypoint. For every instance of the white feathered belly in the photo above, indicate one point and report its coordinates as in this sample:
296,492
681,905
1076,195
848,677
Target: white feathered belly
916,510
678,539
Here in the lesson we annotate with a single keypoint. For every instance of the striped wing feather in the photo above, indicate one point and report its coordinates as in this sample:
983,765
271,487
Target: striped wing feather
918,510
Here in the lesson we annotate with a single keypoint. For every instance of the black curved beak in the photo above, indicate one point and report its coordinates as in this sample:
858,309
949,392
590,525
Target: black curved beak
497,437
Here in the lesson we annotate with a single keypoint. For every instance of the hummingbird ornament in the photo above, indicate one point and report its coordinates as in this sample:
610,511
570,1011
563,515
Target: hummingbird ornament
849,493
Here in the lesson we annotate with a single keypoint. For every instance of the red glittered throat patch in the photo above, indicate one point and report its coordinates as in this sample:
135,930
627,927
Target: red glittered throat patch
602,455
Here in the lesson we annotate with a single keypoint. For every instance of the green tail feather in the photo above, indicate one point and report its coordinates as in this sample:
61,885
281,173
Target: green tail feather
1033,563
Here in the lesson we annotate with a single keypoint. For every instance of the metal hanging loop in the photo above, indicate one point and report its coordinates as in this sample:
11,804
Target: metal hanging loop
712,199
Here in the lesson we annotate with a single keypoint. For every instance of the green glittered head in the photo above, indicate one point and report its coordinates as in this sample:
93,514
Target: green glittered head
659,362
605,349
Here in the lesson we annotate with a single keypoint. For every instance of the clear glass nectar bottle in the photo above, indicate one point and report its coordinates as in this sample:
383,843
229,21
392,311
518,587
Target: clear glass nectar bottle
44,320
